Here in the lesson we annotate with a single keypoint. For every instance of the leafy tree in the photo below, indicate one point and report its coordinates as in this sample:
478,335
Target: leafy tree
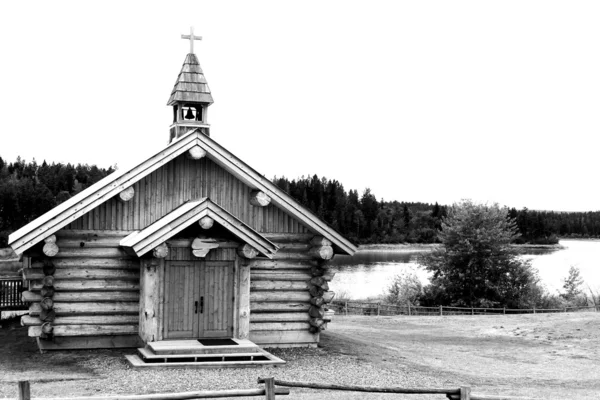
406,288
572,285
476,266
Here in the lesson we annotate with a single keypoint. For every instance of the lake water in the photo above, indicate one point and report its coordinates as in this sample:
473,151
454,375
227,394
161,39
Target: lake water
369,273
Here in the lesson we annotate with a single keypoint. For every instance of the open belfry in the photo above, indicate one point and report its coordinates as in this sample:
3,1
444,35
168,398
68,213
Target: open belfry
192,256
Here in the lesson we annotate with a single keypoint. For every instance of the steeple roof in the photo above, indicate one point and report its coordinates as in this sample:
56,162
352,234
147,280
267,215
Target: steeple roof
191,84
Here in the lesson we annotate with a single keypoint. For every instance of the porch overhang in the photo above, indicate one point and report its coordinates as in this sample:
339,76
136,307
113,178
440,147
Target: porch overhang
141,242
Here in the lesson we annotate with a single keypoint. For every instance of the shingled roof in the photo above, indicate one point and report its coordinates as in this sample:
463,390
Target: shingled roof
191,84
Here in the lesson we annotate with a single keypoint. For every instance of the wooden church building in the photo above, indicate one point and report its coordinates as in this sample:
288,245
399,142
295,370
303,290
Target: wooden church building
189,249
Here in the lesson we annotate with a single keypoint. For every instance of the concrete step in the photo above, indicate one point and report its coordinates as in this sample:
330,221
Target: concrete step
231,360
149,356
170,347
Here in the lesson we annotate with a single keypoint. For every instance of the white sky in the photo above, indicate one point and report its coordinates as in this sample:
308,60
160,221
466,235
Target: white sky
420,101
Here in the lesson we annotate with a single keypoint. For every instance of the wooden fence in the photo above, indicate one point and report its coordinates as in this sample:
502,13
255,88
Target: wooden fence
10,295
270,392
370,308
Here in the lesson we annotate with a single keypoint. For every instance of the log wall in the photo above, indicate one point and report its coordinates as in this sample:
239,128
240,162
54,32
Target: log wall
279,298
95,299
178,181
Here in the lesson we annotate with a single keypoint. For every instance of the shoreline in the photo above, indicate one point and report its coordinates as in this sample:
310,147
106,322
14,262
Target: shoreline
432,246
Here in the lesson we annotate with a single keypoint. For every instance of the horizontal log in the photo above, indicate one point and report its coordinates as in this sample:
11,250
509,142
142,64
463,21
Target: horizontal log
315,291
279,326
328,275
328,297
78,297
316,322
283,337
27,320
196,153
88,308
161,251
50,249
83,252
288,237
82,273
106,263
86,330
320,241
247,251
378,389
85,285
50,239
278,307
223,244
279,317
283,275
206,222
90,342
89,233
279,296
281,264
94,242
322,252
294,246
317,301
127,194
204,394
259,198
316,312
292,255
278,285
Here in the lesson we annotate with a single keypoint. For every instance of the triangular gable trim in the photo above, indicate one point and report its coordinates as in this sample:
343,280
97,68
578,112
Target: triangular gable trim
67,212
250,177
185,215
110,186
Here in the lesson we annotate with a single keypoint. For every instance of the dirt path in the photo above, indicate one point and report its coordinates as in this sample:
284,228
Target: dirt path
526,355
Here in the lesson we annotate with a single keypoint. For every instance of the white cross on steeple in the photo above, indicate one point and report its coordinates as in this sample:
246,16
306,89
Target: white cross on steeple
191,37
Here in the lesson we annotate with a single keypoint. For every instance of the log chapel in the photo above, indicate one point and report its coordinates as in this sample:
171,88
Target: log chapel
191,255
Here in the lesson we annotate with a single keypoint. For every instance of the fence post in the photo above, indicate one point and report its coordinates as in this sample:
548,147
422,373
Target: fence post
346,307
565,309
465,393
378,303
24,392
534,309
441,312
472,311
270,388
409,309
504,311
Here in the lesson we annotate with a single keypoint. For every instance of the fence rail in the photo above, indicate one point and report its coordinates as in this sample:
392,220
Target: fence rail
371,308
10,295
270,392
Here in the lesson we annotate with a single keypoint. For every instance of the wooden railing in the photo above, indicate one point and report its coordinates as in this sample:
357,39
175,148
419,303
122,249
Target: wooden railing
10,295
371,308
462,393
270,392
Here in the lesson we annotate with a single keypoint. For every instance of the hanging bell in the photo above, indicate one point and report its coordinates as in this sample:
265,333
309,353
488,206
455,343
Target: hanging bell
189,114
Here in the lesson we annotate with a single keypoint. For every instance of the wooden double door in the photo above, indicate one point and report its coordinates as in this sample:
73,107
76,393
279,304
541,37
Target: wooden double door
199,297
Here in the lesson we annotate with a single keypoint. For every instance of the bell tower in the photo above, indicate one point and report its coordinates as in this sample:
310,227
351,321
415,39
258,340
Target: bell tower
190,96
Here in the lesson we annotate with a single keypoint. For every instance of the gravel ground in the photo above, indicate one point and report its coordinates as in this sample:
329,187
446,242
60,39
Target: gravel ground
105,372
548,356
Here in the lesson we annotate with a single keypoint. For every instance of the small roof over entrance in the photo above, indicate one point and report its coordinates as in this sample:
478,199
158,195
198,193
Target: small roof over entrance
141,242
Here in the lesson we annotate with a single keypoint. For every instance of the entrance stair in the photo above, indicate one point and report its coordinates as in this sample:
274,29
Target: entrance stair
193,354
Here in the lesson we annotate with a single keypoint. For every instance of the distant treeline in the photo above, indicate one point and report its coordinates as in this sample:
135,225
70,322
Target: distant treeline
29,189
364,219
